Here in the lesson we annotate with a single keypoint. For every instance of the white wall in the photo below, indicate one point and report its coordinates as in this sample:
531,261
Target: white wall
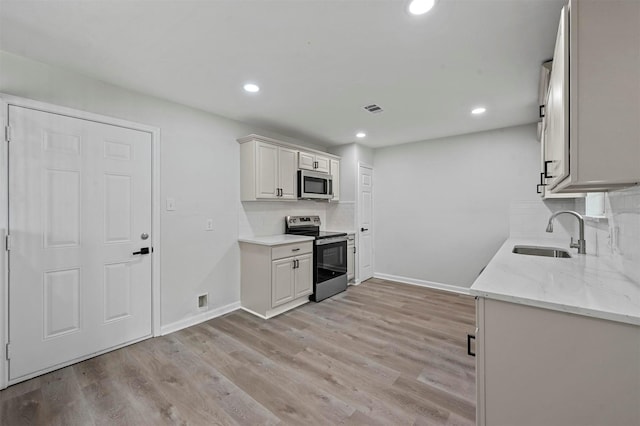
199,169
442,207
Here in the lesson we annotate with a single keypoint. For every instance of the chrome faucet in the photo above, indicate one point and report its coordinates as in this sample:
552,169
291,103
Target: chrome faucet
581,245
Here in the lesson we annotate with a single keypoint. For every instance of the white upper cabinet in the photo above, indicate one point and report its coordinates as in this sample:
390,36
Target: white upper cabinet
311,161
556,123
267,172
288,173
335,174
545,173
269,168
592,138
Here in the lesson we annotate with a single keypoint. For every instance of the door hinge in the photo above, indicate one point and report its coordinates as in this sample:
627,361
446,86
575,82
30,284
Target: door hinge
8,351
7,242
7,133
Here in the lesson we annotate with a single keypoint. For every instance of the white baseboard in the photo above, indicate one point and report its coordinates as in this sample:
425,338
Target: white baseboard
423,283
198,318
253,312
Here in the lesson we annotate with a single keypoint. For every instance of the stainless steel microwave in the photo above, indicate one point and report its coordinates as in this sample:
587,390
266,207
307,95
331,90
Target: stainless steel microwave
314,185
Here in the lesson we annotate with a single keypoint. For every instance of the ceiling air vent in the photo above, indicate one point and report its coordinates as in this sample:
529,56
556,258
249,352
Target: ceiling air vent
373,108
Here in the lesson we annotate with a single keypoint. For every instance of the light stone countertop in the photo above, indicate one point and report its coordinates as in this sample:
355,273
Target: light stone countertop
585,284
275,240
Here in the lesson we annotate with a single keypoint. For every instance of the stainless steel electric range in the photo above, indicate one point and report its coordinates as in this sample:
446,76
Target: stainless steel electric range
329,255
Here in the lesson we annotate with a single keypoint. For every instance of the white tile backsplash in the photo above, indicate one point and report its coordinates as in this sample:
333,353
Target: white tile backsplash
262,218
619,236
341,216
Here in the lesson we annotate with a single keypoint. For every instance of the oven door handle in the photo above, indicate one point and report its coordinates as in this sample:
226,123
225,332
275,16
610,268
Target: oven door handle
326,241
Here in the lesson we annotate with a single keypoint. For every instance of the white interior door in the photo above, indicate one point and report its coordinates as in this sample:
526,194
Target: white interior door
365,207
79,204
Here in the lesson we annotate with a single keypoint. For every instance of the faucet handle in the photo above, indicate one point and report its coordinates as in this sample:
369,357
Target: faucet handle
574,244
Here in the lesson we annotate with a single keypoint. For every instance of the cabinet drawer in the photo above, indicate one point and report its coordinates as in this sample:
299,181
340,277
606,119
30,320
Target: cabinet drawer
289,250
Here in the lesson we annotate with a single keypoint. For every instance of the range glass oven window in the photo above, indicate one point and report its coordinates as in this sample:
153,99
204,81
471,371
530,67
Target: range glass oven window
331,260
313,185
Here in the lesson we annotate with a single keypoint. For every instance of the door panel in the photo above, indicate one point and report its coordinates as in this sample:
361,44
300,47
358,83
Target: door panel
305,161
267,166
304,276
557,137
323,164
79,199
335,175
61,302
365,206
117,291
282,276
288,175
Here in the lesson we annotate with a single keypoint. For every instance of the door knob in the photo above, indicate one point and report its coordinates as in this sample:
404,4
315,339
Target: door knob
143,250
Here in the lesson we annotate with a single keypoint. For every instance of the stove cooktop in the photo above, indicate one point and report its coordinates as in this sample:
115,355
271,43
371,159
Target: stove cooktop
309,226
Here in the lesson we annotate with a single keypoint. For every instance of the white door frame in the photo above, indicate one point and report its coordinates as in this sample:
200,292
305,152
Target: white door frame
358,207
9,100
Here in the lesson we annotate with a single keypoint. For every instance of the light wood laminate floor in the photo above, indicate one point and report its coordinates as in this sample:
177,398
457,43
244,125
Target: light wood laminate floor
381,353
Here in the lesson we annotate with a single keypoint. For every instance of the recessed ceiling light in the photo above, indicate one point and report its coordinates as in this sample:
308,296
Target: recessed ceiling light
420,7
361,135
478,111
251,88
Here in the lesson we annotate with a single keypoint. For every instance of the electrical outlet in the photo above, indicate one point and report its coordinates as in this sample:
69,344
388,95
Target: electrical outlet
209,225
203,301
171,204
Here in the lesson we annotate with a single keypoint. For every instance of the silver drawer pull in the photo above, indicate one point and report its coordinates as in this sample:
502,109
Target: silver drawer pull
296,249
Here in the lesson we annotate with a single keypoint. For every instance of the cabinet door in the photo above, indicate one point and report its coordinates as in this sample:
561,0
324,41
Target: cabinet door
306,161
287,173
351,261
303,276
266,170
545,367
322,164
556,138
282,278
335,174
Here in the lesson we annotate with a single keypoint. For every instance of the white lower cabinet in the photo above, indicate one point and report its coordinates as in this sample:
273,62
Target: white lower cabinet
291,278
537,366
351,257
277,278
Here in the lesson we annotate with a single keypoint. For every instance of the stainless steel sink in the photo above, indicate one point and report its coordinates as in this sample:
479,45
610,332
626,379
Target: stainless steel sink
541,251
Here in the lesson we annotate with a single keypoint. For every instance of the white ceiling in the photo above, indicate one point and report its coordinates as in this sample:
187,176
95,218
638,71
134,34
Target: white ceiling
317,62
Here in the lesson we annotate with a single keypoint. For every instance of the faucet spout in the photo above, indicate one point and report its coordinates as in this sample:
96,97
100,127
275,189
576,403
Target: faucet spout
581,245
550,226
